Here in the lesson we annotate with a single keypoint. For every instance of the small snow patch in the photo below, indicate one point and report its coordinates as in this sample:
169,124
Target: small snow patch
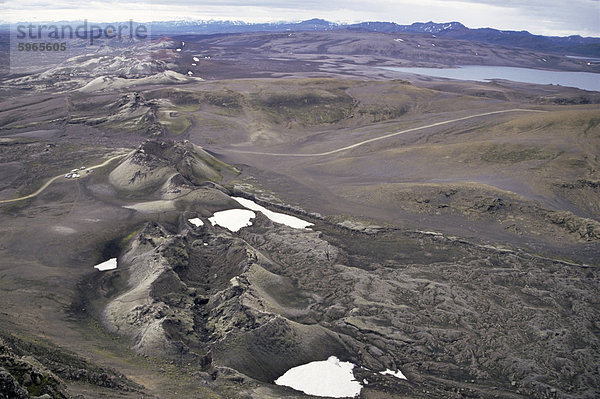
110,264
233,219
327,378
196,222
397,374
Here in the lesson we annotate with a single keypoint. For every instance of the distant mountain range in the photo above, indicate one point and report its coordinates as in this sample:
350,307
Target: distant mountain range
576,45
571,45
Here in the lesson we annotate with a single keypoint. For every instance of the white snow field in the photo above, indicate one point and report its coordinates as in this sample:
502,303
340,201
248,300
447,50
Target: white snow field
327,378
232,219
276,217
110,264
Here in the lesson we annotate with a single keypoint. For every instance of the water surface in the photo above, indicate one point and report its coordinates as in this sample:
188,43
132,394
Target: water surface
482,73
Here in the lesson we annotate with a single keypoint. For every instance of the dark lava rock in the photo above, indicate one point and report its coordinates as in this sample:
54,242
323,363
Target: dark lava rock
10,388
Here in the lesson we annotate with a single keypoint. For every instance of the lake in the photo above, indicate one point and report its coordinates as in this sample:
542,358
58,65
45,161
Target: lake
482,73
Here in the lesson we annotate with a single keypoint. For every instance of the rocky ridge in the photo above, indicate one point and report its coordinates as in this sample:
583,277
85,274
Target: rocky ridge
270,297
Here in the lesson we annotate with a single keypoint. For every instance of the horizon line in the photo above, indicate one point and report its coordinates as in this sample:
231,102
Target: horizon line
283,21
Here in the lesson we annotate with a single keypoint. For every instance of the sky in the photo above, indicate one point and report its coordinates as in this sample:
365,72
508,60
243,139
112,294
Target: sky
546,17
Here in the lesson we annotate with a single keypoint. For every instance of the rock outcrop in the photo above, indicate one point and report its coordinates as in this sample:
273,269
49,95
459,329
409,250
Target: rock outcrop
24,377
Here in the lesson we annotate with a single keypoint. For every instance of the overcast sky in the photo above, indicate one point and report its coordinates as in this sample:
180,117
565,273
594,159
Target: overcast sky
548,17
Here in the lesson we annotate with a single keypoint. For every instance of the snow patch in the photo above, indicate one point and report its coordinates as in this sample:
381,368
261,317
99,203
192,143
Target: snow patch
397,374
196,222
110,264
276,217
327,378
232,219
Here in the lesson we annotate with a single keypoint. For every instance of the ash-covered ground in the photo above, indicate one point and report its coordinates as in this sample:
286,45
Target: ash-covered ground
455,236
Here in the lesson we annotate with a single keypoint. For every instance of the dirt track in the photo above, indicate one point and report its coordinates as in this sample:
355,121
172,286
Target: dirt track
349,147
52,180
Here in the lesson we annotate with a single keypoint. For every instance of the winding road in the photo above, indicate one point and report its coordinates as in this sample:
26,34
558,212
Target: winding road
52,180
386,136
318,154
